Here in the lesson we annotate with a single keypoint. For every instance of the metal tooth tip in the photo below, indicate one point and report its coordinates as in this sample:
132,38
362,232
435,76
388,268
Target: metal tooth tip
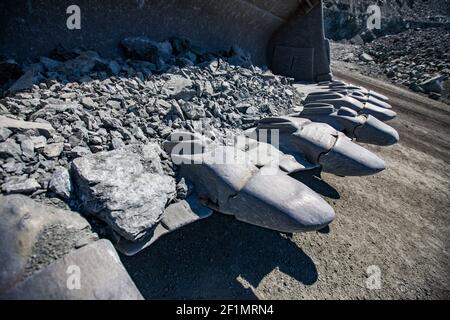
374,131
349,159
289,207
378,112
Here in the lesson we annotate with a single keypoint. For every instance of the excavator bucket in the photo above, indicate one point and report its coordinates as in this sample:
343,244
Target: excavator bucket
288,36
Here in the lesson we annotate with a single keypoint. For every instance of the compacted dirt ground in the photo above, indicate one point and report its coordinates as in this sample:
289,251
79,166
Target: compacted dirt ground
397,223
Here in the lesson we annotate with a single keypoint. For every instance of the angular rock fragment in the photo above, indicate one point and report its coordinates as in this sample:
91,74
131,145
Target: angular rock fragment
4,134
193,111
10,148
179,87
20,185
127,188
89,103
39,142
60,183
79,151
53,150
25,82
434,84
27,147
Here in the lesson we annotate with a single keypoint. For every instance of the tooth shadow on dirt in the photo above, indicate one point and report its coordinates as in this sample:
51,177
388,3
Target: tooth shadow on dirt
203,261
313,181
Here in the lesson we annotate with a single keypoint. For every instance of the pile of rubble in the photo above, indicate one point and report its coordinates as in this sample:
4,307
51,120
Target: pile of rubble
87,104
87,131
417,59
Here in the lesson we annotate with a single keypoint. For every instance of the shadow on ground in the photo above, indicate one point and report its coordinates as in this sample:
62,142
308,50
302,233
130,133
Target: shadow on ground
205,259
314,182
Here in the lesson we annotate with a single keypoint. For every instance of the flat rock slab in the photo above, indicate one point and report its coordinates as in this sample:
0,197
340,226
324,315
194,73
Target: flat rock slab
127,188
93,272
33,235
9,123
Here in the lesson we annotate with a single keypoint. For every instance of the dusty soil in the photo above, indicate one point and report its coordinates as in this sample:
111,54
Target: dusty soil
398,220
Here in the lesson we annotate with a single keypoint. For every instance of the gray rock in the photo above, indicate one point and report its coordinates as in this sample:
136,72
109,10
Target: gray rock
27,147
127,188
4,134
12,166
10,148
179,87
434,84
44,128
60,183
101,277
81,65
79,151
53,150
113,104
193,111
117,143
111,123
176,111
33,236
39,142
20,185
88,103
366,57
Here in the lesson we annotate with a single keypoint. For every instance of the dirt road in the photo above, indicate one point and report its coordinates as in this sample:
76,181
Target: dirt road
397,223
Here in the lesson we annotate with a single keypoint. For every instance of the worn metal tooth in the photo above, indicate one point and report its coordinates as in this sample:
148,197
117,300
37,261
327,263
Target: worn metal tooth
239,188
349,159
323,145
290,207
374,131
364,128
378,102
367,98
378,112
379,96
339,101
